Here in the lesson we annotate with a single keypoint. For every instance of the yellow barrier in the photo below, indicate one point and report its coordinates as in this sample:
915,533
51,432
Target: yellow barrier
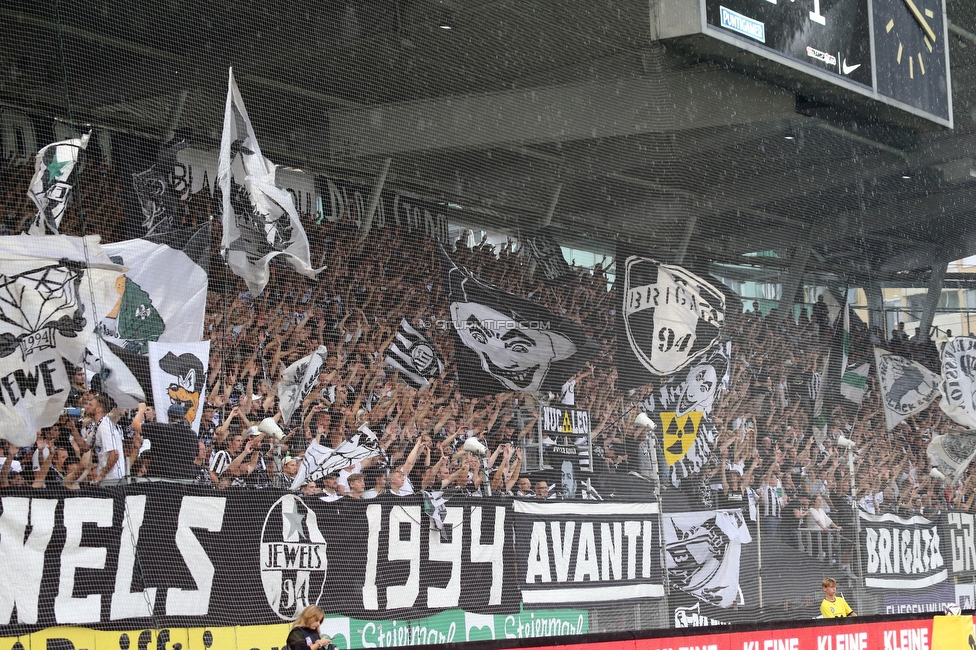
257,637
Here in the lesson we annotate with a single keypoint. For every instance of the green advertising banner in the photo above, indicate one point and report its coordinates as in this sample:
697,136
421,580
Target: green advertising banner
453,626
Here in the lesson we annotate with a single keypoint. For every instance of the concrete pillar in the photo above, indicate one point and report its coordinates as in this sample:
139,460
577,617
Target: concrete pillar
935,292
793,279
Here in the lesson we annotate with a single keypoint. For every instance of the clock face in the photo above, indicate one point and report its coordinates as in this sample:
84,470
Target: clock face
910,53
832,35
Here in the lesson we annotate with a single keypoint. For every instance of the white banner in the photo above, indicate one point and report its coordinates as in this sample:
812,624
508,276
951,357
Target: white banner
959,380
702,551
52,290
179,376
952,453
906,387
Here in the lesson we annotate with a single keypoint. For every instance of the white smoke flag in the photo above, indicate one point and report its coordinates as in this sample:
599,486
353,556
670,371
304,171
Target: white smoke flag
49,189
959,380
260,221
320,461
907,387
413,356
51,289
298,380
952,453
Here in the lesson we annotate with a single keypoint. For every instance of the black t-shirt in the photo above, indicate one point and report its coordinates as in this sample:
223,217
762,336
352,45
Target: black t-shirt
302,638
174,448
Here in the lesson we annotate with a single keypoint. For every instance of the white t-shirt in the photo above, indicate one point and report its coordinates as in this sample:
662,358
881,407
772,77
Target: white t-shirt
108,437
344,474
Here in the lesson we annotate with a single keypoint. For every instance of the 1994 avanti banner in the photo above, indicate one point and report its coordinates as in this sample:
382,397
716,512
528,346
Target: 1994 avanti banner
177,557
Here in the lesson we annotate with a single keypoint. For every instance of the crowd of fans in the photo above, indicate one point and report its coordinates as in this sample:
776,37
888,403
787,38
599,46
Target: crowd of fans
767,455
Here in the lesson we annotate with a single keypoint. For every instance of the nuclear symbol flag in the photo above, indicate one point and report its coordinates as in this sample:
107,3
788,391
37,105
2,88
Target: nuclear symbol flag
679,434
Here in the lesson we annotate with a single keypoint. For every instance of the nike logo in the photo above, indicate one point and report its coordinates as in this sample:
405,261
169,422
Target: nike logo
847,69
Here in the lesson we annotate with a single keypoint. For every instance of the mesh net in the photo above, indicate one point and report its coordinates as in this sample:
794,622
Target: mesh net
454,323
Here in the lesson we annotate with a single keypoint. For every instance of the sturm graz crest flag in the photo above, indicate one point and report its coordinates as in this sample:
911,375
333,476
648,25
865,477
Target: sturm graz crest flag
907,387
671,317
507,343
260,221
50,189
51,288
414,356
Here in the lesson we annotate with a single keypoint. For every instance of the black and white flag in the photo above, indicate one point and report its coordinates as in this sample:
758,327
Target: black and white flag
149,307
507,343
952,453
155,193
958,385
907,387
179,376
683,408
702,552
545,251
319,461
298,380
901,553
260,221
50,189
670,317
51,289
414,356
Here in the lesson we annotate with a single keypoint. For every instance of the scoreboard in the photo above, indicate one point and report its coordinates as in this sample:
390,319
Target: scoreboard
894,51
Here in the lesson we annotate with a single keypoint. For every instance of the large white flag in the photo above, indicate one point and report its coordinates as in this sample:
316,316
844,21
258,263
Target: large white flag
260,221
320,461
49,189
51,290
298,380
162,297
959,380
179,376
906,387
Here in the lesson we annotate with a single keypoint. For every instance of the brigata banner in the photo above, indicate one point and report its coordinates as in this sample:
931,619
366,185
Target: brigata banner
182,556
901,553
583,552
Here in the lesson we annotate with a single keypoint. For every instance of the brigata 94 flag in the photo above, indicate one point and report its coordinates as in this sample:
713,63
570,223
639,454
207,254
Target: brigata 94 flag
51,289
671,318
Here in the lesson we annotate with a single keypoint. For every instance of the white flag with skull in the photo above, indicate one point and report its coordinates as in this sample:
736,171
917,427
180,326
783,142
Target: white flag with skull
958,384
52,290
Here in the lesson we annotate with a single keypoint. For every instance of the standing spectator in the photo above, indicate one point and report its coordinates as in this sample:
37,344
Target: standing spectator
107,442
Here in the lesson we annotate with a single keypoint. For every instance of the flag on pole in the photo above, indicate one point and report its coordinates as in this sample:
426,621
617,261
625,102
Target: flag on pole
298,380
906,386
49,189
855,382
413,356
260,221
818,380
